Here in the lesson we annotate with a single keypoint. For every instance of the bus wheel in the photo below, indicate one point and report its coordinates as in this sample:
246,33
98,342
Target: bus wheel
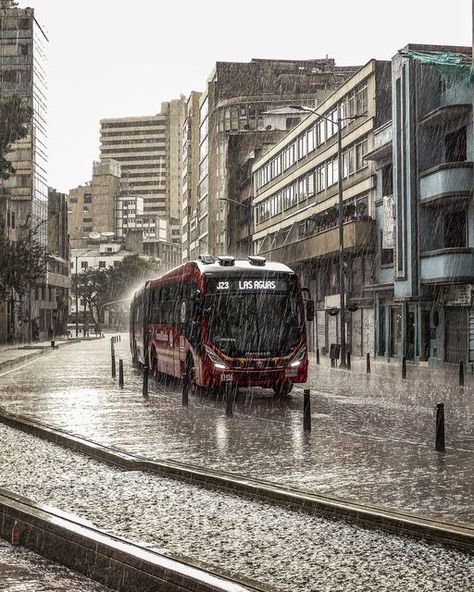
282,389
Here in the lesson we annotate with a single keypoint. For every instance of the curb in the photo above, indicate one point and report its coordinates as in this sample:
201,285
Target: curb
108,559
418,527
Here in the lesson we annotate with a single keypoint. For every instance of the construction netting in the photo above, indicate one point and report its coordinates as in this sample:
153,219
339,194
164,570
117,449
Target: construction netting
447,62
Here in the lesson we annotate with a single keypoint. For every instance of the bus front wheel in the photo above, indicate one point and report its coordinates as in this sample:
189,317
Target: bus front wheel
282,389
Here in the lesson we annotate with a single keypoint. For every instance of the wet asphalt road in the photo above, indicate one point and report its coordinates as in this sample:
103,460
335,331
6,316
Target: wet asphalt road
372,437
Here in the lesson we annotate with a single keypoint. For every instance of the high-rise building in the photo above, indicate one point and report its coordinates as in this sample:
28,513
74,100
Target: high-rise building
22,72
148,149
24,196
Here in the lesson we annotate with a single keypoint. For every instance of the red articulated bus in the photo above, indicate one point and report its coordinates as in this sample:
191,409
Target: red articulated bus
219,320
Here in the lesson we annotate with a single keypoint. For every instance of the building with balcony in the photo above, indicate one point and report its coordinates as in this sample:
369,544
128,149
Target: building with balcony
295,211
235,99
424,272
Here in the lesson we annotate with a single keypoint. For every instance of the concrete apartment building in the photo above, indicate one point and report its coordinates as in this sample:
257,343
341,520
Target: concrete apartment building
58,279
148,149
190,179
295,213
235,98
424,274
92,207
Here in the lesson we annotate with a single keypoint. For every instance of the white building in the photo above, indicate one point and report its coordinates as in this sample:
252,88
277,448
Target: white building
99,256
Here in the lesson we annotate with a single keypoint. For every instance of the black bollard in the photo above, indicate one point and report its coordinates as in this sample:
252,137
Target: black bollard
114,367
461,373
348,366
145,381
404,367
229,400
367,363
121,373
53,344
439,446
306,411
318,361
185,394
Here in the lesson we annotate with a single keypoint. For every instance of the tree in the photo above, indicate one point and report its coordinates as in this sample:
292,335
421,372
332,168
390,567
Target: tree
92,285
14,118
130,274
98,287
22,263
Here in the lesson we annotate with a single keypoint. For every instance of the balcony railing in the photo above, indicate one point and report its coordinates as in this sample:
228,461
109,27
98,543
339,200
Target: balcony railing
447,266
358,234
447,180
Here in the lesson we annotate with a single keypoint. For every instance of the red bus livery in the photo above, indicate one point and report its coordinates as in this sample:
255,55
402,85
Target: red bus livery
221,320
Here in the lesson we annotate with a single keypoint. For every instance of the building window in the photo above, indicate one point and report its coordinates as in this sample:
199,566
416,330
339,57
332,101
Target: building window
361,151
84,264
387,180
386,255
9,76
456,146
361,99
87,198
455,229
102,264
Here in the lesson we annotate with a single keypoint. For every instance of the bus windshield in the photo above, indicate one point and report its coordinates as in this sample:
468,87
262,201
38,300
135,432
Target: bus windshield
254,324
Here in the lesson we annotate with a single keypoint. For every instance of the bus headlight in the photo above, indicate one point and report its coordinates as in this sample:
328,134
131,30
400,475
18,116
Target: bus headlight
296,361
218,363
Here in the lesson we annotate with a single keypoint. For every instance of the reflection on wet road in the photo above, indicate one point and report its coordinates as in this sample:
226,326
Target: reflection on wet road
372,439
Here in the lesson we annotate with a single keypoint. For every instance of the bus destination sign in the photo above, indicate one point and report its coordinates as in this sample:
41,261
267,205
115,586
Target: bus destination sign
248,285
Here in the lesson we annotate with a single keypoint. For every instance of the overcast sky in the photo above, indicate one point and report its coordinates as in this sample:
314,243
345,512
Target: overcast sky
110,58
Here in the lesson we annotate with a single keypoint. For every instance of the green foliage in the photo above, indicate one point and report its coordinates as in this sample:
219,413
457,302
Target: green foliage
14,118
92,285
22,263
131,273
100,286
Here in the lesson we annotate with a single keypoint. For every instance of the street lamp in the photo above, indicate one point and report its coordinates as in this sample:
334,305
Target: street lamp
342,295
247,207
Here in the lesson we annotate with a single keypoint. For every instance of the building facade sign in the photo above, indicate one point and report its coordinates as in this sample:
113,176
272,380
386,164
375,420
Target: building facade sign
456,295
388,234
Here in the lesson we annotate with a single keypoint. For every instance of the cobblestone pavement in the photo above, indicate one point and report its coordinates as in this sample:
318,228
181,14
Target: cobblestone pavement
24,571
372,438
286,549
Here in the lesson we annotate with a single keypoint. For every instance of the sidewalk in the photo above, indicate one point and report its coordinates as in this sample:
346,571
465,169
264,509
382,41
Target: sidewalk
446,374
11,355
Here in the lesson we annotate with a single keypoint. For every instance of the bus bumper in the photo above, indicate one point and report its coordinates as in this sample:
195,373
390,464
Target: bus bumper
264,379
